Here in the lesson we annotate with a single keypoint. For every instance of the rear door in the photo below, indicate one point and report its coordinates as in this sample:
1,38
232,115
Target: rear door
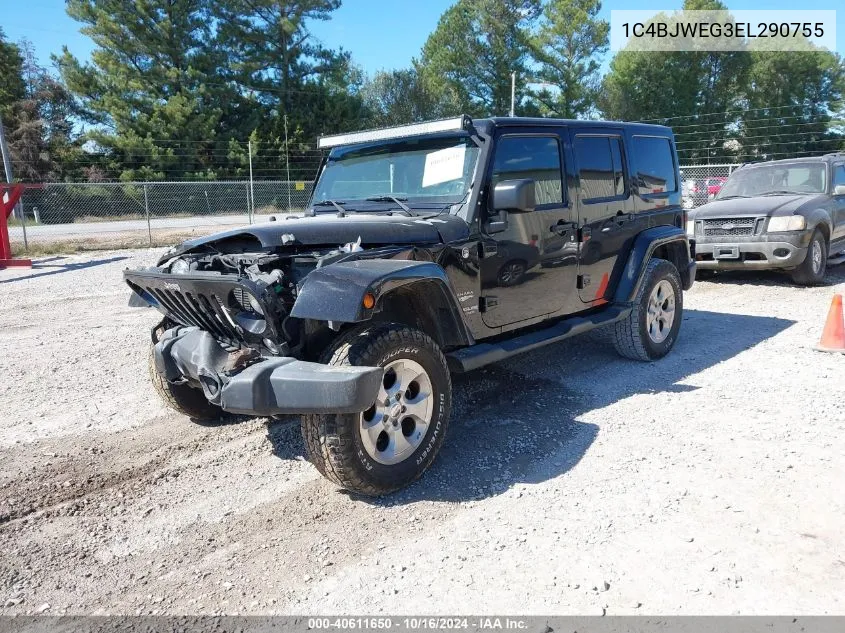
605,207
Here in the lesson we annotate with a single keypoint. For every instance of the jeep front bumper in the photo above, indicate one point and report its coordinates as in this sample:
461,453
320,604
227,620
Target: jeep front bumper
768,251
268,386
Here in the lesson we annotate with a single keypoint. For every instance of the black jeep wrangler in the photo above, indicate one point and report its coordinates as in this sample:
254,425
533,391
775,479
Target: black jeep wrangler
784,215
426,249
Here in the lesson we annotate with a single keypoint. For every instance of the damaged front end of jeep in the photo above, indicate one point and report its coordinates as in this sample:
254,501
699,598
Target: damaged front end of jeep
228,329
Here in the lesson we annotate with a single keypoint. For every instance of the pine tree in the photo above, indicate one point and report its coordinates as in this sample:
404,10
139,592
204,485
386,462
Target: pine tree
567,49
151,89
474,49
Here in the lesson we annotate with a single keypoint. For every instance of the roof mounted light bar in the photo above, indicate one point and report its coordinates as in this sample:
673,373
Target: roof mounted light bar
458,124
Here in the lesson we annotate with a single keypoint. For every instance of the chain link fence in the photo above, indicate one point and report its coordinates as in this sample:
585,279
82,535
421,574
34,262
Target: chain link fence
102,215
700,183
68,216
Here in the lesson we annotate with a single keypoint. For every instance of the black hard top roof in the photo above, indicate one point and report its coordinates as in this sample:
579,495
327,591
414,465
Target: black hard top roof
572,123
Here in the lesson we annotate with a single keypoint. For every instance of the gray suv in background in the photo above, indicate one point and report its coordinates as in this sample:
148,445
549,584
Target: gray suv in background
785,214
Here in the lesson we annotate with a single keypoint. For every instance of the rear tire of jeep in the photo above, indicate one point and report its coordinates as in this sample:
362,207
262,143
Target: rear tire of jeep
183,399
385,448
650,331
811,271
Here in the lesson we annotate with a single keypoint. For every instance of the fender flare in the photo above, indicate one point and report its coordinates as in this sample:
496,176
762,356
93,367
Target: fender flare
816,218
336,292
645,244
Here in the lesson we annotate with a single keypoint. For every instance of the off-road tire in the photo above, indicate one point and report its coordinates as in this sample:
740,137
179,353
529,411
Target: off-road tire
806,274
630,335
333,442
183,399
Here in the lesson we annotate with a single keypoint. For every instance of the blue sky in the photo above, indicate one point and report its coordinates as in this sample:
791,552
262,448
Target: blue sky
378,33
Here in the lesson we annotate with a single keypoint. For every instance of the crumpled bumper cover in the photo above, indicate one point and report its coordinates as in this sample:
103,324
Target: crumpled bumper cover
270,386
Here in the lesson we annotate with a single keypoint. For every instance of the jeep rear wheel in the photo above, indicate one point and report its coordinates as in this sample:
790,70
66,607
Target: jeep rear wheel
393,442
650,331
183,398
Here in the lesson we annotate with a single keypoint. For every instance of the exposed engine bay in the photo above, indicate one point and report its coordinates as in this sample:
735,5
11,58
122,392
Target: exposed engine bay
243,299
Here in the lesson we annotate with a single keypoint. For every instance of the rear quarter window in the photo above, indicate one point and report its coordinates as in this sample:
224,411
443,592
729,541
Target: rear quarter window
655,165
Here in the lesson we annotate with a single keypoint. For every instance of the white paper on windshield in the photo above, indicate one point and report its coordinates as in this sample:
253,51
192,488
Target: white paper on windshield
444,165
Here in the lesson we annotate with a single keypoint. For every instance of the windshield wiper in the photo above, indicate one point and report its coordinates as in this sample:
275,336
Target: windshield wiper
399,201
731,197
334,203
781,193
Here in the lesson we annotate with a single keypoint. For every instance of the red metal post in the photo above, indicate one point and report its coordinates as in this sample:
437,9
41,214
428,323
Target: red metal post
6,208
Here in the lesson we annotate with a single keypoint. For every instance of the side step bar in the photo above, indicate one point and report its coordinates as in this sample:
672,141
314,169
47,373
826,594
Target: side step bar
469,358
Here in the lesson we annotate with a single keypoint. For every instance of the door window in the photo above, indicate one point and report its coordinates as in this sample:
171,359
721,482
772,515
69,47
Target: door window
600,167
655,165
839,175
534,157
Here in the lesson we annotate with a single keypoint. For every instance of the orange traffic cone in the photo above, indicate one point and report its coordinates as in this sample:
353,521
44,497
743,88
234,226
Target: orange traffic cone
833,336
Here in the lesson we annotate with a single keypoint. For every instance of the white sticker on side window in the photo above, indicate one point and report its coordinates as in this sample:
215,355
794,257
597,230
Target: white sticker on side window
444,165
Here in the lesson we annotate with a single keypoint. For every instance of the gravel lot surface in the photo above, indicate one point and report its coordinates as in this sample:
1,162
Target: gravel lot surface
571,482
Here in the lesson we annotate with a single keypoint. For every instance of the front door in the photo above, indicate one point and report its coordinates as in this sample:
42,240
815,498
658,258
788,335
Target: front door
529,269
606,209
838,218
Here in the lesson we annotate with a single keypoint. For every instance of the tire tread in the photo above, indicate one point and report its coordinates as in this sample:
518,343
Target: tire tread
328,438
626,333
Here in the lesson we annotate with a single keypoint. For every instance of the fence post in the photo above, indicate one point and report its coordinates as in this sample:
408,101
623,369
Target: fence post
23,226
147,208
251,188
287,159
246,185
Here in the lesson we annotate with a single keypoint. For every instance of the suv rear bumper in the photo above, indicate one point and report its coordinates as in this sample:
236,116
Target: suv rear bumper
784,251
269,386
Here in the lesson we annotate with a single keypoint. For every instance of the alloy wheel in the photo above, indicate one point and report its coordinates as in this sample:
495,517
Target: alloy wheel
393,428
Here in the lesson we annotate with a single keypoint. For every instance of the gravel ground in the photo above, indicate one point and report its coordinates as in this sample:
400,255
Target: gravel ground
571,482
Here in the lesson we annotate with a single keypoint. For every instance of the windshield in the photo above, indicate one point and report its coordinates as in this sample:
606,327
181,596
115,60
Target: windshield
783,178
419,170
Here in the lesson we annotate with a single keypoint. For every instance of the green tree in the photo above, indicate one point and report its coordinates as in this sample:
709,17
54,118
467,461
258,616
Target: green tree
41,139
396,97
151,88
790,97
567,49
696,91
474,49
280,69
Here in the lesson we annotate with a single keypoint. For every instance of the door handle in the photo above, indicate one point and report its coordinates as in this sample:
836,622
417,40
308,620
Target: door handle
622,217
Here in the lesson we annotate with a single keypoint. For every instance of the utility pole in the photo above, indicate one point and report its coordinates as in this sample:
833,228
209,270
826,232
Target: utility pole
287,158
513,94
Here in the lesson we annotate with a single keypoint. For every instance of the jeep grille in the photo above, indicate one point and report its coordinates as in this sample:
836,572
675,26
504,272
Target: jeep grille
217,304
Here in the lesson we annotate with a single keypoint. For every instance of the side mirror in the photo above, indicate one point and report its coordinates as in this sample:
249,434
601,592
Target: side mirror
514,196
839,190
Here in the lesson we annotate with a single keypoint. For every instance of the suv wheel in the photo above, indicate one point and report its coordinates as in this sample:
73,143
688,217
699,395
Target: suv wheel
811,271
650,331
393,442
183,398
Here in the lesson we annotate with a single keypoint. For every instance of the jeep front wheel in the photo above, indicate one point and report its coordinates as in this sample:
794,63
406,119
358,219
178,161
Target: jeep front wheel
185,399
393,442
650,331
